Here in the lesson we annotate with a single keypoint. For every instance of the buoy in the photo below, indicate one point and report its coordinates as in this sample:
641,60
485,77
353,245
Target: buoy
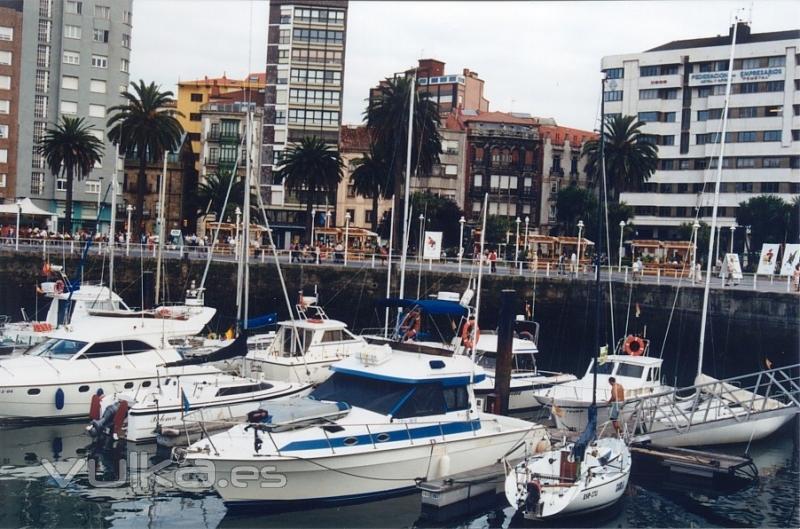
59,399
94,407
444,466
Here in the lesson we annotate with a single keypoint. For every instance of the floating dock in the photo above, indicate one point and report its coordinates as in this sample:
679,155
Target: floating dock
461,494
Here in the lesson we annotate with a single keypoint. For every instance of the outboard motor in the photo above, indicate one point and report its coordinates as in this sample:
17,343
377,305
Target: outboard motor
104,424
534,495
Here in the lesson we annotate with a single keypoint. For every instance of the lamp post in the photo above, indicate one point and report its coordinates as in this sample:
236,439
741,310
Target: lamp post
621,230
16,233
527,221
747,232
346,235
516,245
719,232
236,239
313,222
421,235
580,232
695,228
129,210
733,228
461,222
99,193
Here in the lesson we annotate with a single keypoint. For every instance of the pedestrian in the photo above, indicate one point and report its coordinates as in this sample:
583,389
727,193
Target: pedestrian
573,263
796,277
638,267
561,259
493,260
616,401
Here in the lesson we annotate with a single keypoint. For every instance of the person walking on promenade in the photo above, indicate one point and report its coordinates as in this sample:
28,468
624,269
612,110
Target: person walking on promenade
493,260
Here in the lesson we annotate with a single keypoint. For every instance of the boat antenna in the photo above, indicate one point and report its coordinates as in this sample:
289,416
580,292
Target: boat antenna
717,185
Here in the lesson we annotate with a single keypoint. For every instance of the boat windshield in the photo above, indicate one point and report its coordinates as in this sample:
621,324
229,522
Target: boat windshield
525,362
378,396
487,361
56,348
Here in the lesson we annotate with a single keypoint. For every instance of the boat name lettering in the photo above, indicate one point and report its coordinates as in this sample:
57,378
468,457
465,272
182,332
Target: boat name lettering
588,495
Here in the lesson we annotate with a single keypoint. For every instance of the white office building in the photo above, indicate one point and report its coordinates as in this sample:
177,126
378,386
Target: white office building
678,89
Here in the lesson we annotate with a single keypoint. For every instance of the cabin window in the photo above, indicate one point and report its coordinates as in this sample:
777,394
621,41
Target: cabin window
426,399
55,348
602,369
456,398
653,375
83,389
350,441
525,362
289,341
128,385
629,370
103,349
134,346
34,391
378,396
146,384
238,390
332,336
487,360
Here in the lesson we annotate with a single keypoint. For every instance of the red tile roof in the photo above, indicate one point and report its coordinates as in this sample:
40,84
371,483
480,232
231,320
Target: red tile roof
559,134
225,81
354,138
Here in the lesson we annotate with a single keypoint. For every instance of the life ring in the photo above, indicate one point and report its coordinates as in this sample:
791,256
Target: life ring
466,334
634,346
410,325
59,287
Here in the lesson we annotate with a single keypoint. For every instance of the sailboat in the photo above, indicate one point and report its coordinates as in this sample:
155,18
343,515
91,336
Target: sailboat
588,474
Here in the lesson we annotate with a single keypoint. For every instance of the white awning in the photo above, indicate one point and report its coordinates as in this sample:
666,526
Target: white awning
28,208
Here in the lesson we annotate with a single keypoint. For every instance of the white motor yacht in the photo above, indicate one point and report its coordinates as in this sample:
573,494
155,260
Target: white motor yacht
383,421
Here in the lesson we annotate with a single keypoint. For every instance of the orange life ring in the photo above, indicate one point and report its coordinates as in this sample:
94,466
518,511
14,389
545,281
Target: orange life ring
634,346
410,325
59,287
466,334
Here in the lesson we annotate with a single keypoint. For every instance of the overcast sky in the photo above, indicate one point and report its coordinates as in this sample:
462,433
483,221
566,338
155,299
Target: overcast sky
537,57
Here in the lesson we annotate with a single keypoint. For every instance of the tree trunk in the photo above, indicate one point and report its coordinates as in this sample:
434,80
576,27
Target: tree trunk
68,208
375,212
309,219
141,187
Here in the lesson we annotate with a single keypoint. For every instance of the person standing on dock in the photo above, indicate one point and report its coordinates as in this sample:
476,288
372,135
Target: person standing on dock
616,401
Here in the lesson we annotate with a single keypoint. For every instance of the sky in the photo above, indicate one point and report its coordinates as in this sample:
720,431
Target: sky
537,57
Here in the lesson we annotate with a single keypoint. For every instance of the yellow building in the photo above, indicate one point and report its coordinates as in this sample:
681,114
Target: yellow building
193,94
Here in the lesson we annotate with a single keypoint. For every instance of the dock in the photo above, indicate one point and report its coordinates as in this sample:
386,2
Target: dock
461,494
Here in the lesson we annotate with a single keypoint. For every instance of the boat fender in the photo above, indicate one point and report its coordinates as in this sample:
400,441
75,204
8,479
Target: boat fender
542,446
444,465
59,399
94,406
120,416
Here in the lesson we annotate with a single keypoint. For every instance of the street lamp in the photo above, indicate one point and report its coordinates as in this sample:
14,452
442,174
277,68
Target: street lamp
719,233
621,230
733,228
695,227
313,223
516,245
461,221
421,241
129,210
99,193
16,233
346,235
580,232
527,220
236,239
747,232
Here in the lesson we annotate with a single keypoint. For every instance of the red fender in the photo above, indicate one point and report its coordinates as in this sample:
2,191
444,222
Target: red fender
94,407
120,416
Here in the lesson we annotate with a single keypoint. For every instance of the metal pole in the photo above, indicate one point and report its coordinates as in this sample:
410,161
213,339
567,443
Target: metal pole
580,232
99,192
406,205
389,266
16,233
621,231
129,209
162,207
460,241
516,246
112,232
733,228
346,235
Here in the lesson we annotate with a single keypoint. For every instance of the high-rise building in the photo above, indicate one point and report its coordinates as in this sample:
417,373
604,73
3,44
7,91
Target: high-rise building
678,89
75,59
305,73
10,58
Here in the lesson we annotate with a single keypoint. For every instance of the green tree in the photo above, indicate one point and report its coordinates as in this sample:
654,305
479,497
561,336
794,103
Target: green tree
794,221
69,148
630,159
387,120
496,229
441,214
210,196
312,169
703,236
573,204
145,126
371,180
769,219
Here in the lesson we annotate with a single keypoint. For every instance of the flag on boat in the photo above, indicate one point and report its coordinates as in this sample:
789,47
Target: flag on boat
185,402
603,357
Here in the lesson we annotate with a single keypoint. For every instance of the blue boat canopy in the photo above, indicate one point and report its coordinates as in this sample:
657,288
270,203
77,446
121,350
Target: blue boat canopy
262,321
428,306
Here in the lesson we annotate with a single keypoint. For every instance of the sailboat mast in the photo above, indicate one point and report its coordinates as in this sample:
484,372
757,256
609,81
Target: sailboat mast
717,185
480,281
404,253
246,237
161,208
112,236
600,179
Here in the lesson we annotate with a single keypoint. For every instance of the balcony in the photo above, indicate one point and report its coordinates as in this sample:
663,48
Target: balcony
224,136
501,133
556,171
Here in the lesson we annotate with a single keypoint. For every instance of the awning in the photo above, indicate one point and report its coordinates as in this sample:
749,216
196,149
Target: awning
428,306
28,208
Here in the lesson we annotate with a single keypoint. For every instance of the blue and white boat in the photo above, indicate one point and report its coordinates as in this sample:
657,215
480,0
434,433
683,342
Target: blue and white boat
382,422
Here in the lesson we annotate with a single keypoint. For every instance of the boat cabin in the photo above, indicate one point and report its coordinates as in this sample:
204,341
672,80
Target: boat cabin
630,371
303,337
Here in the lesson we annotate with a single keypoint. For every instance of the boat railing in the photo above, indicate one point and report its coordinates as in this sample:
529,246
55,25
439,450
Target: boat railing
742,398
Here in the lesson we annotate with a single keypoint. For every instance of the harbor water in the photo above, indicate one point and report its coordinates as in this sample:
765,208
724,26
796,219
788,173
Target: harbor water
51,477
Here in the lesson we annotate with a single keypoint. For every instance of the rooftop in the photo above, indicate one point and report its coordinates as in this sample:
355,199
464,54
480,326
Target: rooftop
743,36
558,134
256,78
354,138
506,118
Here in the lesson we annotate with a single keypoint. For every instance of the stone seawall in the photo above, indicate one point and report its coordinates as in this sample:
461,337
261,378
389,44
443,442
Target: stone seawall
745,327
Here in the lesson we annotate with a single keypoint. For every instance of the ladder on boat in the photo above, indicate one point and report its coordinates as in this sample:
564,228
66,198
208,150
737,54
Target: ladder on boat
736,409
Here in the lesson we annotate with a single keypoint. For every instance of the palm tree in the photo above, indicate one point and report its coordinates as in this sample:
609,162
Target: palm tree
147,126
630,159
311,168
69,147
371,180
210,196
387,120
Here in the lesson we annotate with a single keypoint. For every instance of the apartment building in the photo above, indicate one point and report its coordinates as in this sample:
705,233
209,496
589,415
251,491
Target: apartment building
10,58
678,89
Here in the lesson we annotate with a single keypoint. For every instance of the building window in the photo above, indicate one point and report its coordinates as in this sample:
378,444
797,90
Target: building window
5,82
98,86
126,40
73,7
286,19
613,95
194,116
667,140
102,12
72,32
772,135
99,61
37,183
644,116
776,62
477,180
3,131
42,56
283,56
40,107
3,178
127,17
198,98
3,155
124,65
747,137
61,184
5,57
44,31
615,73
69,107
71,57
650,93
749,64
284,36
97,111
280,117
6,33
100,35
745,163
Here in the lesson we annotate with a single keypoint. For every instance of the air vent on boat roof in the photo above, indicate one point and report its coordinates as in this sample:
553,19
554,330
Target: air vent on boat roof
436,364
